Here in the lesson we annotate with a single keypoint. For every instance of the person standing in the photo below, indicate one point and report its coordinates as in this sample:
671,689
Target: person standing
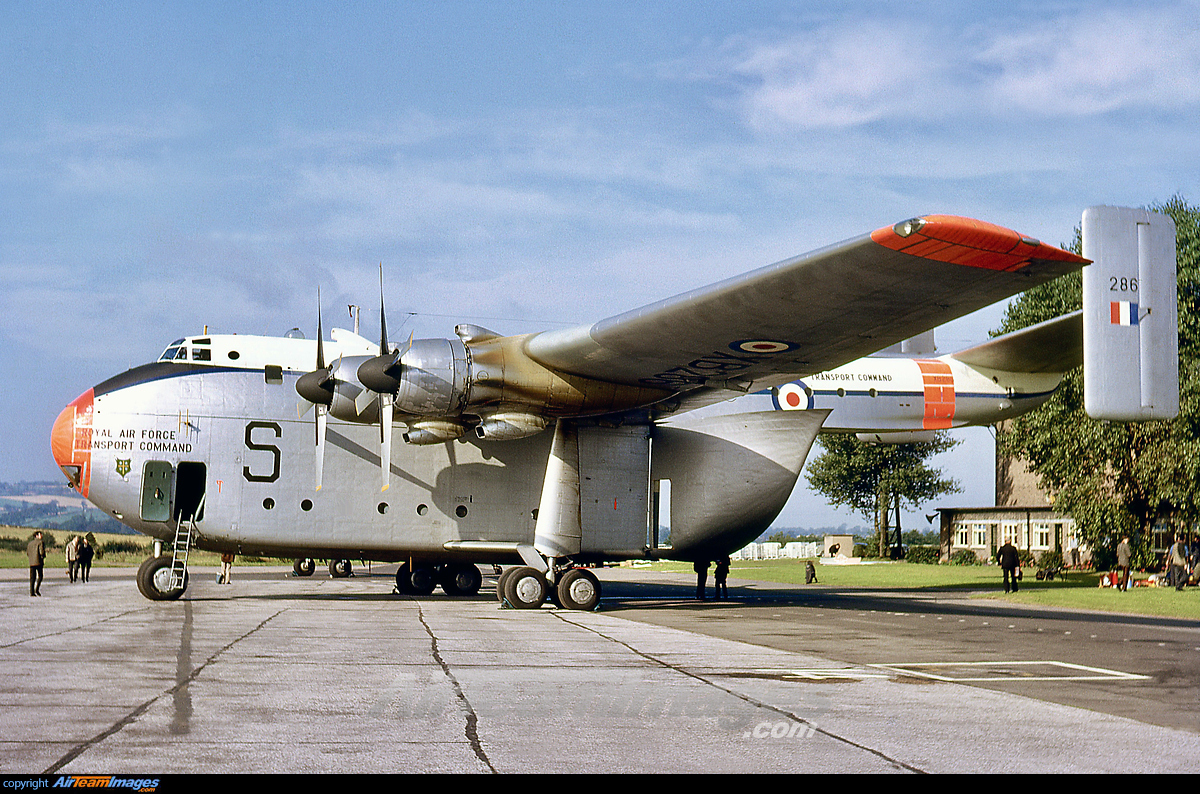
701,569
1010,564
1124,559
37,559
84,558
1177,558
721,578
73,558
226,568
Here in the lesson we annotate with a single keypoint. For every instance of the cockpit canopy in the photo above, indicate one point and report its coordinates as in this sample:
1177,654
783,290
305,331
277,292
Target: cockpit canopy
201,350
278,353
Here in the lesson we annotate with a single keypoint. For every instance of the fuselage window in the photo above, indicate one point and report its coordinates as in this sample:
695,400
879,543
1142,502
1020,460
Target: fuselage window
273,373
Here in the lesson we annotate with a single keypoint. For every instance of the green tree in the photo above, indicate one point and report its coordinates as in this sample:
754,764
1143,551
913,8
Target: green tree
874,479
1116,478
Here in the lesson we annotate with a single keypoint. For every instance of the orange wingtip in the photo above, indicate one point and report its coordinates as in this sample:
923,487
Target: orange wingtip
964,241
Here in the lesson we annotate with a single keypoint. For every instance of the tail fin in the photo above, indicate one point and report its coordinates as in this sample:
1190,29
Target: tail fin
1130,318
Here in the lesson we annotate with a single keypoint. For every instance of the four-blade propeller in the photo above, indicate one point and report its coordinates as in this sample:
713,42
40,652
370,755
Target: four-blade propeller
317,387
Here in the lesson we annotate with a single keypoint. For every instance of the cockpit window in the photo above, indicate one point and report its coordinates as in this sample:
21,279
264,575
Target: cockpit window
201,354
169,354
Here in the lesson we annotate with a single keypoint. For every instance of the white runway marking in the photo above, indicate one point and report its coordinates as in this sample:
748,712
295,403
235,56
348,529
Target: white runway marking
1010,671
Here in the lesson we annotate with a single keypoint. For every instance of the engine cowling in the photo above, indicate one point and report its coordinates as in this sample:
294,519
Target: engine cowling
430,377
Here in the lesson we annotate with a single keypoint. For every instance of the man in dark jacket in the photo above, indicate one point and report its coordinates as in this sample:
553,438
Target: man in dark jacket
37,558
1124,561
1010,563
701,569
85,554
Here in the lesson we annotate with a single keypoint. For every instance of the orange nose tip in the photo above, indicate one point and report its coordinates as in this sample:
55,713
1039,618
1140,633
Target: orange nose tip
71,441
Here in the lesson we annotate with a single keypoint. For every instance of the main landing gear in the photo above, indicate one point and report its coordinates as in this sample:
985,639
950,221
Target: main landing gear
455,579
524,587
338,569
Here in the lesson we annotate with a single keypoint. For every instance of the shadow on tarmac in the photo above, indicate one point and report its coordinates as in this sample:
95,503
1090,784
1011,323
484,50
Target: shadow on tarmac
629,595
622,596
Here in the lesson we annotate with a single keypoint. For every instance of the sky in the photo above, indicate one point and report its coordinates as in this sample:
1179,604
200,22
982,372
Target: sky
166,167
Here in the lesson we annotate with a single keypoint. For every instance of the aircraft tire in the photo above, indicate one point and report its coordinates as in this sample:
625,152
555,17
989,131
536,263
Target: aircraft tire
500,580
340,569
578,588
404,580
154,577
526,588
304,566
422,580
461,579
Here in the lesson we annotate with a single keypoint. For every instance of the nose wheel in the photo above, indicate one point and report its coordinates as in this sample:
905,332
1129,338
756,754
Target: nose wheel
154,579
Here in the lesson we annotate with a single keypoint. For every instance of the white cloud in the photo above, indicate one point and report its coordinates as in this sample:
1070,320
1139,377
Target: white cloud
1084,62
837,77
1098,62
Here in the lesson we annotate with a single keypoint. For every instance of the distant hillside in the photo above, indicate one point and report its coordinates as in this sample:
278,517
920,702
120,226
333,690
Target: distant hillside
53,505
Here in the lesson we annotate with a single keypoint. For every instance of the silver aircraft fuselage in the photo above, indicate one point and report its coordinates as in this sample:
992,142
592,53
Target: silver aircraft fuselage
221,417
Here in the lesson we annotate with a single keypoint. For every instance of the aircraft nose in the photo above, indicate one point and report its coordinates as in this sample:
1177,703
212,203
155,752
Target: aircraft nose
71,441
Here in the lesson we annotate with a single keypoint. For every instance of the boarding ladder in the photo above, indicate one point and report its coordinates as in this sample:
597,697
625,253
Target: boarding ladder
184,530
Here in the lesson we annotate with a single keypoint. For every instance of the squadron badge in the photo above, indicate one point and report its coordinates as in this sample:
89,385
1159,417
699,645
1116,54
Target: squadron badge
123,467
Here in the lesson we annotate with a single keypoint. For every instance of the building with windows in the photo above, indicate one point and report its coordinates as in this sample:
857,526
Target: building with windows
985,529
1023,514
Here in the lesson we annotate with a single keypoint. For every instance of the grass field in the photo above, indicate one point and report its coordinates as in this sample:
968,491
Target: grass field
1078,591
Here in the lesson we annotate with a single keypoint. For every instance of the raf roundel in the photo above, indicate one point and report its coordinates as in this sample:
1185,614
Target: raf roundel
763,346
793,397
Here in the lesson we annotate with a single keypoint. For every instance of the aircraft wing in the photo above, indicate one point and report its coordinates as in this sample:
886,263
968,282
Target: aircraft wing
1051,346
811,313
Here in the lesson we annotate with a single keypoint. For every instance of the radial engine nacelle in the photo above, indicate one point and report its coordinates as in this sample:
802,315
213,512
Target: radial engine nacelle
430,377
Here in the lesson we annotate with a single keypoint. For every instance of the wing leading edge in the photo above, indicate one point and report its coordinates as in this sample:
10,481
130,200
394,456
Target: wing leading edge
810,313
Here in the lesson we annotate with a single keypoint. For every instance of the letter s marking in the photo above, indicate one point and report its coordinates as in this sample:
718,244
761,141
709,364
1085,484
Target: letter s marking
274,450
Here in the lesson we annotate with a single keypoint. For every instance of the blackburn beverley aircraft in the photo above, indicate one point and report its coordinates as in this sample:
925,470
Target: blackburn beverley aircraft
549,451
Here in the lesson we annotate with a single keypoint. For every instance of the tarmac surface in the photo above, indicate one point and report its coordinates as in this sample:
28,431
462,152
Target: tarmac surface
281,674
